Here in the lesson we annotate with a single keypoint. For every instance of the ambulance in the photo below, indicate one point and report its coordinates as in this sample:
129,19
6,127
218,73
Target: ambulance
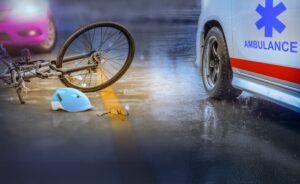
251,46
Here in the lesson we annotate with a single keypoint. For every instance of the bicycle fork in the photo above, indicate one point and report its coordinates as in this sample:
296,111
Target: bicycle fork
18,83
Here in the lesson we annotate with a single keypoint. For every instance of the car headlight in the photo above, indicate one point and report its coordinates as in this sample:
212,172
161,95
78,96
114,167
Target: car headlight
28,9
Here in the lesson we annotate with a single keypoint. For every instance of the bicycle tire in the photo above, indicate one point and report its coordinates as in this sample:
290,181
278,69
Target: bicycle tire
118,75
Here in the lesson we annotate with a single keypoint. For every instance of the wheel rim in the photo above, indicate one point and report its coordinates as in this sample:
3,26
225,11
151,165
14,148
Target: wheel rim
109,48
49,42
211,66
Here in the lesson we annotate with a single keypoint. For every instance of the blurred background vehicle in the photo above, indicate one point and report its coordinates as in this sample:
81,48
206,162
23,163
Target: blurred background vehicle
27,23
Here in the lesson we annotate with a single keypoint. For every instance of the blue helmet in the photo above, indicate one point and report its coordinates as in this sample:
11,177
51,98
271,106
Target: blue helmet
71,100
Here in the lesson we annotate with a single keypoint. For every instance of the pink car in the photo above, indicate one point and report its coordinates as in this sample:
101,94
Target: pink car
27,23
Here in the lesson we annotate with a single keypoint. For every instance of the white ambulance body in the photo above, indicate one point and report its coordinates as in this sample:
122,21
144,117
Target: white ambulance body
252,46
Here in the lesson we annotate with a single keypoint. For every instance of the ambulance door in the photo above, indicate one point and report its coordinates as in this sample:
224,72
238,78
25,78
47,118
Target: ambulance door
266,40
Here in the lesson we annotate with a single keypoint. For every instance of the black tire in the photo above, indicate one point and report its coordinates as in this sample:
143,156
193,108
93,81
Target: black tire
216,68
82,31
49,44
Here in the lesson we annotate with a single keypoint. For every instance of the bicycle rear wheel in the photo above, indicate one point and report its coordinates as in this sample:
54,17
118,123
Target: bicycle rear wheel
108,45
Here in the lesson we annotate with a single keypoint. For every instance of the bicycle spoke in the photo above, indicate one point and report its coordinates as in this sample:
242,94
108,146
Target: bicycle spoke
93,37
113,66
120,36
106,41
116,46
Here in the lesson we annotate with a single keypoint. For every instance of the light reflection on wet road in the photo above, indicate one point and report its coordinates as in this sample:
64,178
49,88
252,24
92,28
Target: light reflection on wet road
180,136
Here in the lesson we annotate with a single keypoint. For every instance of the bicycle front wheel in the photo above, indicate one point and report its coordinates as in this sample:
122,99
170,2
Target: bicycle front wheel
106,45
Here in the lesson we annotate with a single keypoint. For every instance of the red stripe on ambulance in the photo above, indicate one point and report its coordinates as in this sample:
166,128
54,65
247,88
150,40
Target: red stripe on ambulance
271,70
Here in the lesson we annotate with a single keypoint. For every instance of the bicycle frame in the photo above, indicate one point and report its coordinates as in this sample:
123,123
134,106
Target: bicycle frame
17,72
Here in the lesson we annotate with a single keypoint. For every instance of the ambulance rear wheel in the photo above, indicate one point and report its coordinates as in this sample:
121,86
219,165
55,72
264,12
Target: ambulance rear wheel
216,69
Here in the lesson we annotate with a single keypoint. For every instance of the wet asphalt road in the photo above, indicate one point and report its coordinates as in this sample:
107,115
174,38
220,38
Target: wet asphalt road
173,133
